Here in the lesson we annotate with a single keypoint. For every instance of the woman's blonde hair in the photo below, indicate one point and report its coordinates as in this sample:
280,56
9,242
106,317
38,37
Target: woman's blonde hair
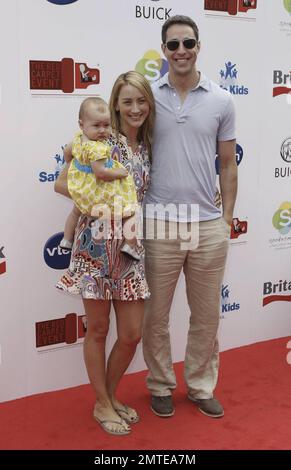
137,80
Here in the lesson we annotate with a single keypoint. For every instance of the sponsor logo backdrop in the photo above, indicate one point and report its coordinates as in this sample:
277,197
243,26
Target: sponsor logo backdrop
59,52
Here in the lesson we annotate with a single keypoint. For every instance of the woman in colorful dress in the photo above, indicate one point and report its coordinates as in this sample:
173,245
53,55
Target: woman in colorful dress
101,273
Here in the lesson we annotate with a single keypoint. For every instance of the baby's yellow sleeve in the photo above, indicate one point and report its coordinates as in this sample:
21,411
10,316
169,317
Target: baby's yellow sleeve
97,151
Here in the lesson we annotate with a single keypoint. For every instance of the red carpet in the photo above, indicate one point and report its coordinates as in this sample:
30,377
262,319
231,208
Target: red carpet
254,387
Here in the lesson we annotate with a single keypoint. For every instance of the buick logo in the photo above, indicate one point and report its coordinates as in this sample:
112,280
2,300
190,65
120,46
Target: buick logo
286,150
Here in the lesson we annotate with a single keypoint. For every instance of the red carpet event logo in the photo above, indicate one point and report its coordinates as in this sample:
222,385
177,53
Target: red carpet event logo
63,75
232,7
238,227
276,292
2,261
281,82
61,330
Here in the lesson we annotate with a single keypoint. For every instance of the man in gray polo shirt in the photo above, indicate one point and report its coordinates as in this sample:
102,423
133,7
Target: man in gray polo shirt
194,122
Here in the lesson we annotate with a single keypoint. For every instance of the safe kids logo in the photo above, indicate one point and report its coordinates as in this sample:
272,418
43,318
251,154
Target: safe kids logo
226,304
54,256
2,261
238,156
282,83
282,218
152,12
45,177
152,66
276,292
62,76
287,6
66,330
232,7
228,80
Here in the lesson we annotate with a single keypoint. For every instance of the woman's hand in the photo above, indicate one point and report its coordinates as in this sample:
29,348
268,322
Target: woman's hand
61,184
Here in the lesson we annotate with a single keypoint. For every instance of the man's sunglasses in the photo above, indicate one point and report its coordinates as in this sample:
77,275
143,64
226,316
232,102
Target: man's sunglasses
174,44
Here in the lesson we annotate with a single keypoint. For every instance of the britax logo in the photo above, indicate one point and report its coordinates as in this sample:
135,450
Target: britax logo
50,177
276,292
152,66
281,82
2,261
226,304
54,256
228,80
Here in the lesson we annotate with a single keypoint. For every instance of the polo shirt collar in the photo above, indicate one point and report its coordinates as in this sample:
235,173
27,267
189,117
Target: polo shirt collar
203,82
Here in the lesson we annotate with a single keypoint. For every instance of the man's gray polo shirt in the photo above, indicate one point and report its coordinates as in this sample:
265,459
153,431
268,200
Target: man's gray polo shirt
184,150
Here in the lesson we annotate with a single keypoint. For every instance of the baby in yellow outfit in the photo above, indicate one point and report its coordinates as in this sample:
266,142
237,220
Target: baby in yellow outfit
99,185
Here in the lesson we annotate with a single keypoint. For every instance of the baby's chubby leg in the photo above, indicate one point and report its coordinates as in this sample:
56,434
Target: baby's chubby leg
69,232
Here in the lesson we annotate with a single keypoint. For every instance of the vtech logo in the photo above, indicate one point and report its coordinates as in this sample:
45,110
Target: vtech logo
62,2
54,256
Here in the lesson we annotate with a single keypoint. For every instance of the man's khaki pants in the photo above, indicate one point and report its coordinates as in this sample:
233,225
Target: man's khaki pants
203,267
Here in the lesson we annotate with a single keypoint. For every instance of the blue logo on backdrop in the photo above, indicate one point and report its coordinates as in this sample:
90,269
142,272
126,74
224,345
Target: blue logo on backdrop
54,256
239,156
226,304
45,177
228,80
62,2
